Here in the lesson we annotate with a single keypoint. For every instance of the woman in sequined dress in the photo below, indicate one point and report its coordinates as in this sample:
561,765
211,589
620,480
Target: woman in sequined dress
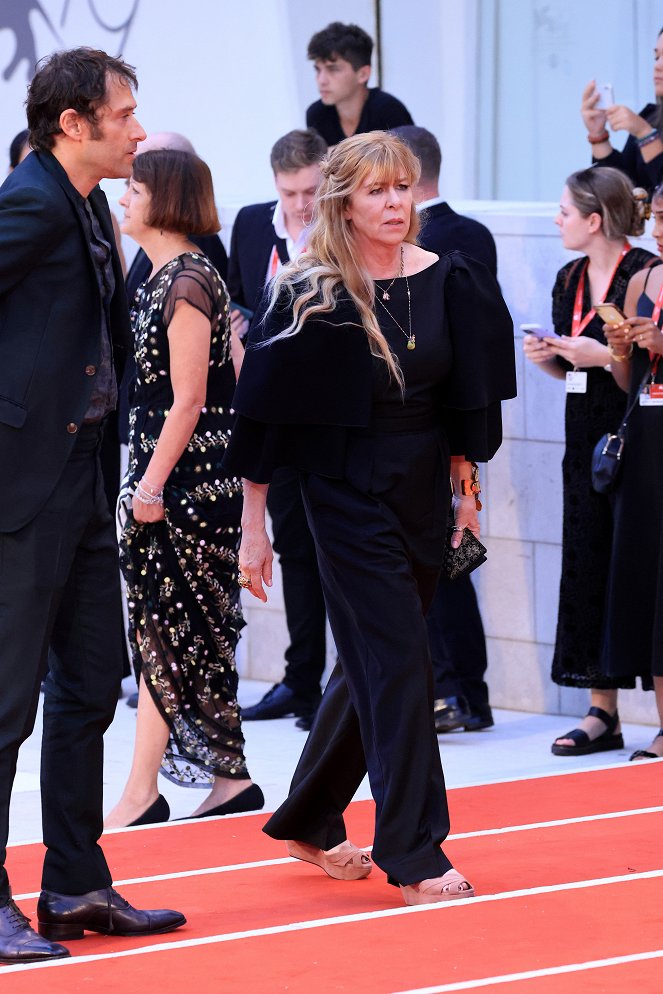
179,542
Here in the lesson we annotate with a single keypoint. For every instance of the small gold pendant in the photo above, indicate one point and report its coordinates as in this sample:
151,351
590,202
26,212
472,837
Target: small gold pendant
385,295
410,343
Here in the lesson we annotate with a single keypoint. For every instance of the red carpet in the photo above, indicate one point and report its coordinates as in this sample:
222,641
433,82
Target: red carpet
586,891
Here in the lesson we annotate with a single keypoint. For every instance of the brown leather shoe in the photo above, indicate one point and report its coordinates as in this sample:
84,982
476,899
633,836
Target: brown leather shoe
19,943
68,916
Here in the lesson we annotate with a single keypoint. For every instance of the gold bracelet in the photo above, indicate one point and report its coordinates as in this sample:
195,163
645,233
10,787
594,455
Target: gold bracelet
621,358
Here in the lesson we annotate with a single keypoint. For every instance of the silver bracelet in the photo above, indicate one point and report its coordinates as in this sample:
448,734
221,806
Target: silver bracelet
145,497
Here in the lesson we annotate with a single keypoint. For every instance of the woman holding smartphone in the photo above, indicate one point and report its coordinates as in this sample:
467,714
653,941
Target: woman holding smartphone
598,210
634,609
642,156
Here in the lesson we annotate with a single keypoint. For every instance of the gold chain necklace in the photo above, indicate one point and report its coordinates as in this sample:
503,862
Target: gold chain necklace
411,343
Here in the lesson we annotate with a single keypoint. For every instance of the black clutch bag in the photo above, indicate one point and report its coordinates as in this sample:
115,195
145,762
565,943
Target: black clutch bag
467,557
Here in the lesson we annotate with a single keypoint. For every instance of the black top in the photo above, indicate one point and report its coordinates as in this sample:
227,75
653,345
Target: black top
381,112
209,245
443,230
298,396
630,161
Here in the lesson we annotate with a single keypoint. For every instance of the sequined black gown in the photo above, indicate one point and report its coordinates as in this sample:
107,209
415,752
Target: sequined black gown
181,573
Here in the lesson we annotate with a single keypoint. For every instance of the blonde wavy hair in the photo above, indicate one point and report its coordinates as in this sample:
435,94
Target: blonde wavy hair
332,261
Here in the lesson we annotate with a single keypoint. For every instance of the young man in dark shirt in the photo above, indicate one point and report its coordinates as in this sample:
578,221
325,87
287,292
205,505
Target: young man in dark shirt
341,56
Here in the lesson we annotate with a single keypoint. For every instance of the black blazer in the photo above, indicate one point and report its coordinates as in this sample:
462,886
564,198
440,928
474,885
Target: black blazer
251,245
49,330
443,230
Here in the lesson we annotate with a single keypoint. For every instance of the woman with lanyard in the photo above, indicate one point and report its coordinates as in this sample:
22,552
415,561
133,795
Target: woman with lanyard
598,210
634,608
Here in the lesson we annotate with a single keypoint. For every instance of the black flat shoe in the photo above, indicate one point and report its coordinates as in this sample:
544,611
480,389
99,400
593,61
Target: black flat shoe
159,811
69,916
645,753
19,943
450,713
251,799
279,702
584,745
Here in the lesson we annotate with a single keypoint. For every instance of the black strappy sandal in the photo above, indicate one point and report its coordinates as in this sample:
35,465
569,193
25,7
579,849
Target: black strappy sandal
584,745
645,753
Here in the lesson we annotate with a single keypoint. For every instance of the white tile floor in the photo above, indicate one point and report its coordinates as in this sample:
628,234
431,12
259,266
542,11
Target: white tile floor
518,746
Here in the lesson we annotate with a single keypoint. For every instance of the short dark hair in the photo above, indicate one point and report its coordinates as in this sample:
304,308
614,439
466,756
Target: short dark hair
425,146
181,191
297,150
18,143
77,78
345,41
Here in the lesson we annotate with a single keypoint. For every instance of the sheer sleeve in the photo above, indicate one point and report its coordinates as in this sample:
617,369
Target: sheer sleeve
201,286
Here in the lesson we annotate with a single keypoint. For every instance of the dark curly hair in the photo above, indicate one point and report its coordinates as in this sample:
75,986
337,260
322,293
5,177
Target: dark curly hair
76,79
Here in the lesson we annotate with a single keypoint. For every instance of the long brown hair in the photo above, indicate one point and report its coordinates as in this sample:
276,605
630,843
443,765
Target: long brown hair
332,261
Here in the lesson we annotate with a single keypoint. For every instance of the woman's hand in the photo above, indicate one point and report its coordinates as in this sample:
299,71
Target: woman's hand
465,516
643,333
145,514
581,352
593,117
255,560
537,350
622,118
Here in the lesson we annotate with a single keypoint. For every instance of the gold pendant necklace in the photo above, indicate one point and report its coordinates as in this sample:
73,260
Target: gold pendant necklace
411,341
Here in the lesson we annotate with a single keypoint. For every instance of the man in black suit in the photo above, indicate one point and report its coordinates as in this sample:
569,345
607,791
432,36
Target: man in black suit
264,237
455,629
341,56
64,322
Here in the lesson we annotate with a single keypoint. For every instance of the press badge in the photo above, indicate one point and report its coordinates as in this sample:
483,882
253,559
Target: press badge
652,395
576,382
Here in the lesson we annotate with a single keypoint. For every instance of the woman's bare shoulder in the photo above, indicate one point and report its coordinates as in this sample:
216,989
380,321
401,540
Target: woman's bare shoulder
417,259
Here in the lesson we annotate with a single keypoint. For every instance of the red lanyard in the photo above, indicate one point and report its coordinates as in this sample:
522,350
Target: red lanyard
654,357
579,323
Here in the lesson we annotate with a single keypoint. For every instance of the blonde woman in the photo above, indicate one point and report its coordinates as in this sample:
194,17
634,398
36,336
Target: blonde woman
376,371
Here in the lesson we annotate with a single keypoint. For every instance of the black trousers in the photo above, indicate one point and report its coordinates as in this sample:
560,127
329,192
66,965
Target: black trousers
302,592
458,644
59,584
377,710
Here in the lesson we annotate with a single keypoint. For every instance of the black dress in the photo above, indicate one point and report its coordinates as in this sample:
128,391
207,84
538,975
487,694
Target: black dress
181,573
378,514
588,515
633,644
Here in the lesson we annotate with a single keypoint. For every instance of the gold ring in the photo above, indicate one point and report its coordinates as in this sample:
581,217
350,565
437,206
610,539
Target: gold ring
244,581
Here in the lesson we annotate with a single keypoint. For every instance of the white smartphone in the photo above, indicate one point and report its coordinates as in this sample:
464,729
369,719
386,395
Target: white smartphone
538,330
606,96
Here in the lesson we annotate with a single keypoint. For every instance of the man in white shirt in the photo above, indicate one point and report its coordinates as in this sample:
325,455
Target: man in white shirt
264,237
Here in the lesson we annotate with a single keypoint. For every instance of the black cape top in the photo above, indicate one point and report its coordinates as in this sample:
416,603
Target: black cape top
298,397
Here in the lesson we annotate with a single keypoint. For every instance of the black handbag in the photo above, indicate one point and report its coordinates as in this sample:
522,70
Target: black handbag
607,454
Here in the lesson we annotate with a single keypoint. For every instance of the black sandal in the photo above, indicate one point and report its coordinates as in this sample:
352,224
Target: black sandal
645,753
584,745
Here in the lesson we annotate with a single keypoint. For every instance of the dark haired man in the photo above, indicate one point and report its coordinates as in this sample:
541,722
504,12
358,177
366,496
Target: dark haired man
264,237
65,324
455,629
341,56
